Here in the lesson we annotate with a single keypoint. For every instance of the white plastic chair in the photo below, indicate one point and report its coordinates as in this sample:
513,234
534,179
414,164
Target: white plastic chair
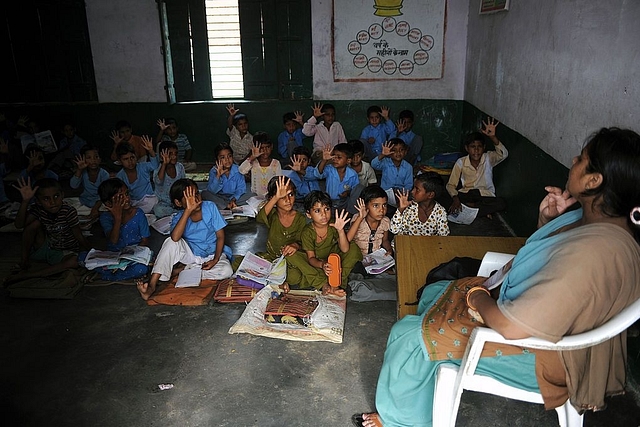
452,380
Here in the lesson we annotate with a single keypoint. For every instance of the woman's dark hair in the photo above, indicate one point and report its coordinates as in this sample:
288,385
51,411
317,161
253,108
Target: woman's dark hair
176,192
431,182
272,187
615,154
316,196
373,192
220,147
110,188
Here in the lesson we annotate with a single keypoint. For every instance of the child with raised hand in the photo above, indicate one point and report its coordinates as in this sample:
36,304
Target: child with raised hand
51,230
340,178
169,132
303,177
124,135
370,226
292,136
36,166
377,131
404,131
396,172
196,240
423,216
327,132
227,187
285,227
475,173
366,174
170,171
322,237
260,163
89,175
137,176
123,225
69,147
240,139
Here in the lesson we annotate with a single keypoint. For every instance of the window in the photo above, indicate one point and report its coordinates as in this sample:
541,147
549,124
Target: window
207,58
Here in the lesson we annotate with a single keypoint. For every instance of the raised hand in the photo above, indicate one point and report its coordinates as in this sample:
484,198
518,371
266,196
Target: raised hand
24,187
164,156
361,206
386,149
256,150
385,112
35,160
402,197
4,146
327,152
401,125
341,220
555,203
116,137
117,205
219,168
81,162
22,121
299,115
192,202
296,163
161,124
489,128
317,109
232,110
147,143
282,187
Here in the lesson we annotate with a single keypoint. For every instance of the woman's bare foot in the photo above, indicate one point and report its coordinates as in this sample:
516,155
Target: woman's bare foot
366,420
146,289
330,290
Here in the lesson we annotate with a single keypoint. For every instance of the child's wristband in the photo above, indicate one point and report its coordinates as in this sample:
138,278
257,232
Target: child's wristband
476,289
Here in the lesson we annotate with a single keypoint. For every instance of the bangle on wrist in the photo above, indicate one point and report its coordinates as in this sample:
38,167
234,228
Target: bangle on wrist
476,289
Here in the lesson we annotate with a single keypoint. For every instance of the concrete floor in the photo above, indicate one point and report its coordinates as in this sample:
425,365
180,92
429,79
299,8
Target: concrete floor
97,360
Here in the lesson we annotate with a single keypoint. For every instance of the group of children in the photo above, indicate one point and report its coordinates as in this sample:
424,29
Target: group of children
305,224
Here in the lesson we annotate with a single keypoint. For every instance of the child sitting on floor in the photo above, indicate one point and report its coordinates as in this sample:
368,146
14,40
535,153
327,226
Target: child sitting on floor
169,132
370,226
197,239
170,171
36,166
137,176
326,132
378,130
240,140
396,172
124,135
423,216
404,128
89,175
366,174
227,187
303,177
260,164
341,180
51,230
322,237
292,136
124,225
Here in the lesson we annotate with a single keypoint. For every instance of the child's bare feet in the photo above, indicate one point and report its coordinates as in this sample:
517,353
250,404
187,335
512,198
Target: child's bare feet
330,290
285,287
146,289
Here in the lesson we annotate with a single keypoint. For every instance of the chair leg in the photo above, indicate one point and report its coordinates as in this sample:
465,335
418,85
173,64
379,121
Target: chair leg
568,416
444,393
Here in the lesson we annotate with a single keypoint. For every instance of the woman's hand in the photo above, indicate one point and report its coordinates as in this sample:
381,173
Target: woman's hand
341,220
554,204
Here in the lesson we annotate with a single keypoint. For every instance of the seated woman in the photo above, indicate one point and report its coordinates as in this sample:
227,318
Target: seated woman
575,273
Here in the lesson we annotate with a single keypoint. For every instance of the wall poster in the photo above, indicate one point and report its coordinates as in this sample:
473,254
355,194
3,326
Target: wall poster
388,39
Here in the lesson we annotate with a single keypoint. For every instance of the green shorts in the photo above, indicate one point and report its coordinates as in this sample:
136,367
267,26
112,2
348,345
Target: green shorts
46,253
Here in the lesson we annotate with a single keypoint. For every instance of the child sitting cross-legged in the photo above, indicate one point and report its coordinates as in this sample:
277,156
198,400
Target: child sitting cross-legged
397,174
137,175
227,187
124,225
89,175
196,240
51,230
303,177
170,171
423,216
370,226
322,237
341,180
260,163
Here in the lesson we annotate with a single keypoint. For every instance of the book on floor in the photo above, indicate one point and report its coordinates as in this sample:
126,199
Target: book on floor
378,261
96,258
189,277
261,271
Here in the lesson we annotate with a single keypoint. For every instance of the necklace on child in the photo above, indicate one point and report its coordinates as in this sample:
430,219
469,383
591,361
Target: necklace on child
320,238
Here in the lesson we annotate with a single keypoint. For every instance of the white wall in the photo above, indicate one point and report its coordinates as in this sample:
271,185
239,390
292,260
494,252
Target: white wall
557,70
126,42
451,86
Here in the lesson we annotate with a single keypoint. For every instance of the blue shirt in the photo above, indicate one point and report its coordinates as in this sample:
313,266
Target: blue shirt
285,137
131,232
392,176
232,186
201,236
89,196
48,173
380,133
335,186
142,185
163,187
182,142
304,184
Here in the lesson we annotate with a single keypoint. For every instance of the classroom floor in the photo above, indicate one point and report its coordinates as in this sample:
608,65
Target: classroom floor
97,360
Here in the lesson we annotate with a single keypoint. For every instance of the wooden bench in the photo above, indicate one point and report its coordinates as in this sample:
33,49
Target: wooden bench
417,255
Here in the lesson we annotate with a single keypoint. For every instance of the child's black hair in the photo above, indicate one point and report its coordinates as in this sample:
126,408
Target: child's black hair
170,121
89,147
262,138
474,136
397,141
288,117
357,146
326,107
373,192
316,196
220,147
301,150
110,188
406,114
345,149
45,183
124,148
176,192
123,124
272,187
166,145
431,182
374,109
238,117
